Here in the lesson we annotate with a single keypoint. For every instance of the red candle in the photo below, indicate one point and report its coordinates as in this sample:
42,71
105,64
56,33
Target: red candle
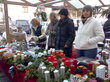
63,59
90,66
53,53
49,59
57,53
55,59
55,64
62,54
72,69
75,63
84,70
67,63
52,57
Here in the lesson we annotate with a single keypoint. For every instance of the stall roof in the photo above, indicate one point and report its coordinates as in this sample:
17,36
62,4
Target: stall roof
75,3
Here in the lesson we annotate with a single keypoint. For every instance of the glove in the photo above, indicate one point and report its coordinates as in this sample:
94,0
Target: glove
35,38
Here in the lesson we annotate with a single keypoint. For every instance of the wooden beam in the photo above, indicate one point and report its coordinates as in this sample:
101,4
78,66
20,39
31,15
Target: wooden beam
71,5
59,7
43,2
101,2
6,21
82,2
26,1
104,5
18,3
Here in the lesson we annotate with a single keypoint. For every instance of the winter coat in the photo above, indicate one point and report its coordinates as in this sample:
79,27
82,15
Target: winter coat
89,34
65,33
51,30
106,28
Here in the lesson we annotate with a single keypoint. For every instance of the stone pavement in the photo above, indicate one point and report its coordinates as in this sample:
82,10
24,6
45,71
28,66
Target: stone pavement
3,77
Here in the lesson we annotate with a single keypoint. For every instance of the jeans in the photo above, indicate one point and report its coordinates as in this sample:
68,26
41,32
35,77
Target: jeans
90,53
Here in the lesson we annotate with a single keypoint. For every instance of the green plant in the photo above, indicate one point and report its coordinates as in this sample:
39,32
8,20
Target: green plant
10,61
31,73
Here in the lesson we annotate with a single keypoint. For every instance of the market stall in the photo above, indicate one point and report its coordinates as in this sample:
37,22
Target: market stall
36,64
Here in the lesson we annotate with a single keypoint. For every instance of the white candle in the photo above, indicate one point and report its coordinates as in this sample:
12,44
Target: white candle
25,56
49,51
62,70
43,69
14,57
53,50
45,53
56,74
47,75
22,56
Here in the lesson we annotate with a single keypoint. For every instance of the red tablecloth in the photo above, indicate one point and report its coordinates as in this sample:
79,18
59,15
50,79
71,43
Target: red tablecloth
19,76
4,68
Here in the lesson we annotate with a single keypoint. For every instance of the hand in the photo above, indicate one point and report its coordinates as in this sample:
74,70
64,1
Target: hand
66,46
35,38
53,45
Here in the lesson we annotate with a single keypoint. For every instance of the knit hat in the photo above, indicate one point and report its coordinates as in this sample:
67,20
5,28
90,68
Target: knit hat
64,12
108,16
88,8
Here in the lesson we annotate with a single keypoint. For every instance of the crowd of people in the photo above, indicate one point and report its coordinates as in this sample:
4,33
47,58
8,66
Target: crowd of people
62,33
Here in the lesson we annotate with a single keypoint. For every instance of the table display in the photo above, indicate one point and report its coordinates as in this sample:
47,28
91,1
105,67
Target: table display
40,65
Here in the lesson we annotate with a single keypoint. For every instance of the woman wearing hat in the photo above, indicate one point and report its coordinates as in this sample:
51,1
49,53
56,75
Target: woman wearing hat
90,32
65,33
106,28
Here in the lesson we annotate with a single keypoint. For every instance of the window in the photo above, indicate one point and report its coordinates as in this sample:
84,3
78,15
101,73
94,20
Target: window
25,9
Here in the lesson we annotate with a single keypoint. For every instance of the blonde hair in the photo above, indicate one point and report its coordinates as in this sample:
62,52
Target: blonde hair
54,15
35,21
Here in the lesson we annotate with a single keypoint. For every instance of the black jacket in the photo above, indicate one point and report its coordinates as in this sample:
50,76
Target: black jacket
65,34
106,28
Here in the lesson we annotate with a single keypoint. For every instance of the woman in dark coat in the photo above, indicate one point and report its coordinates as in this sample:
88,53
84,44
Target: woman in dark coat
65,33
106,28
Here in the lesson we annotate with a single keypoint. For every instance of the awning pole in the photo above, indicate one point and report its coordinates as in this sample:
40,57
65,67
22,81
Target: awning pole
6,20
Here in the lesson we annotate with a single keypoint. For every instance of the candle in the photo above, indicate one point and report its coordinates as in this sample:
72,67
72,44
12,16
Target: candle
53,56
43,68
72,69
62,70
22,56
18,56
25,56
90,66
75,63
53,52
67,63
63,59
57,53
14,57
56,74
84,70
55,64
49,59
45,53
49,51
47,75
55,59
62,54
